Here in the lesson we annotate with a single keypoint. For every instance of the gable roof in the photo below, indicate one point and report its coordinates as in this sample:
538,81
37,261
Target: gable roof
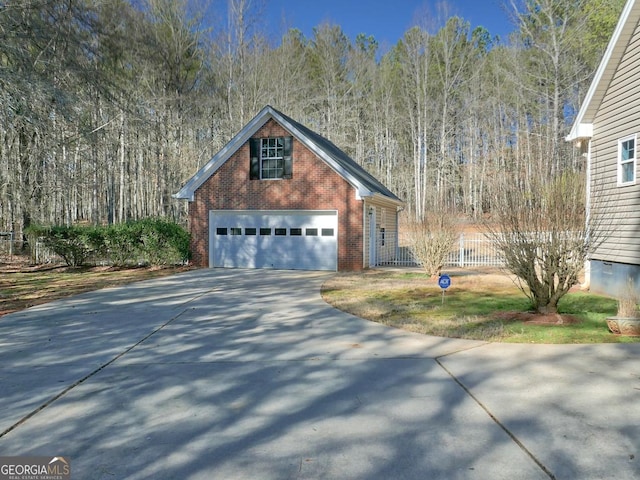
583,125
365,184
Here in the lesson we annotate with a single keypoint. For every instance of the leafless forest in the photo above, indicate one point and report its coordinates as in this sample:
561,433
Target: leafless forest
108,106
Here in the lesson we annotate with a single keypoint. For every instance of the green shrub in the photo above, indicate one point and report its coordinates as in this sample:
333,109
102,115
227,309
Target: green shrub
122,243
158,241
164,242
74,244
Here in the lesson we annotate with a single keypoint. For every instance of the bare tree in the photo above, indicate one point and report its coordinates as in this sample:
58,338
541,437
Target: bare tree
414,65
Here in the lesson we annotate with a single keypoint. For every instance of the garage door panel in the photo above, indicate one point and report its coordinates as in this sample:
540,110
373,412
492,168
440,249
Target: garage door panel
305,240
234,252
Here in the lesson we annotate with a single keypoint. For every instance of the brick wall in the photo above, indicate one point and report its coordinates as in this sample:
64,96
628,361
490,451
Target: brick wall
314,186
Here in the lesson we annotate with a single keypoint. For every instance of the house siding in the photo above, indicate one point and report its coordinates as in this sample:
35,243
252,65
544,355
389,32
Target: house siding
314,186
617,117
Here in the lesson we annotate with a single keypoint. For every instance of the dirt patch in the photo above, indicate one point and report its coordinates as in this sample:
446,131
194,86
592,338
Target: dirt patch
21,263
23,285
534,318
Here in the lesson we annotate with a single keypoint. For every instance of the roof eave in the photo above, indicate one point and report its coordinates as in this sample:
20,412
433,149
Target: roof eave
605,71
381,198
183,195
579,132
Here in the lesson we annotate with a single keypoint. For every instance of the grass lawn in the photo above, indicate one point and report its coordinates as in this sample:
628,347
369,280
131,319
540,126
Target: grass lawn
22,287
480,305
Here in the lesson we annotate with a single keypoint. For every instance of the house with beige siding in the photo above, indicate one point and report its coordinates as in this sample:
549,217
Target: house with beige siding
607,130
279,195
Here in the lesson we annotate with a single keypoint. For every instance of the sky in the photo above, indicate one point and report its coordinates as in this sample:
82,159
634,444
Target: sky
386,20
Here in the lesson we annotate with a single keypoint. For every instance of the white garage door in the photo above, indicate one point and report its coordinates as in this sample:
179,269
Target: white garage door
281,239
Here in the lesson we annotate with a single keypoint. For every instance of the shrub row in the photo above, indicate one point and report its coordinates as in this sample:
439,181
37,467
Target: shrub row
152,241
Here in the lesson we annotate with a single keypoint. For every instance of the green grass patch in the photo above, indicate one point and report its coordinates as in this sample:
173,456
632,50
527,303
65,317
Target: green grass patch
479,306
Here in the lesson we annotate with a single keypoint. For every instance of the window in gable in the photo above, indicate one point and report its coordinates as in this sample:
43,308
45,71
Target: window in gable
270,158
627,160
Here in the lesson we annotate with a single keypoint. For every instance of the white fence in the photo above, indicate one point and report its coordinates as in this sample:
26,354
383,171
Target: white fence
475,250
471,250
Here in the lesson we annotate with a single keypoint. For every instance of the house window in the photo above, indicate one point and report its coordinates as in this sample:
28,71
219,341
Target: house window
270,158
627,160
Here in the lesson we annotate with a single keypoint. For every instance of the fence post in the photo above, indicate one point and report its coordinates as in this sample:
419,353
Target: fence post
461,256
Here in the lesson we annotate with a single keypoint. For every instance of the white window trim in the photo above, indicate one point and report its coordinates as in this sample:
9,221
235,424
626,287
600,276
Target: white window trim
631,160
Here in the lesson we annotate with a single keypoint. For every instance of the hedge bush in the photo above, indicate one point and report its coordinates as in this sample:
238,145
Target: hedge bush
163,242
121,243
73,243
152,241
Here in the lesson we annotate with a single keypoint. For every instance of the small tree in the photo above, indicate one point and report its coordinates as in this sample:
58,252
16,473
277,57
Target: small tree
431,239
543,233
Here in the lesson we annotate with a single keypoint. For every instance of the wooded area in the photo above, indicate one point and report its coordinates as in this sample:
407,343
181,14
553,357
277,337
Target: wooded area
109,106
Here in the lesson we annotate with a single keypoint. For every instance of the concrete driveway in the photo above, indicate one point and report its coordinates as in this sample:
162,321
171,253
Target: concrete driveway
239,374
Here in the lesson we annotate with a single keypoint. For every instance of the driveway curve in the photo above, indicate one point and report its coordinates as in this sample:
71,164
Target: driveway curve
248,374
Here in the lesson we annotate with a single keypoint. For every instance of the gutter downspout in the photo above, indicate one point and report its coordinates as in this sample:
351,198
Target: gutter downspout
398,210
365,235
587,263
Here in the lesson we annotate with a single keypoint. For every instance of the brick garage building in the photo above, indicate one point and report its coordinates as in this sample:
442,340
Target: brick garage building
279,195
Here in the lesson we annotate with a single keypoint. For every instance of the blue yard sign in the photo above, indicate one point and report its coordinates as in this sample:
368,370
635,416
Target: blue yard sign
444,281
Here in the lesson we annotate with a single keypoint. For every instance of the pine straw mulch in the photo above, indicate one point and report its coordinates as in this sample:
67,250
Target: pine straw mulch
23,285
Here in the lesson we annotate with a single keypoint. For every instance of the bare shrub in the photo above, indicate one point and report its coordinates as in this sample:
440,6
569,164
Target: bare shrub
628,301
544,233
432,239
